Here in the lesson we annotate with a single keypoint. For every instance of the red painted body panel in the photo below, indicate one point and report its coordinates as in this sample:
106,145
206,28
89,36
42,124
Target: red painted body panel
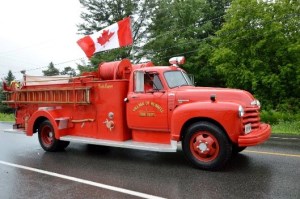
162,137
115,70
110,99
222,113
84,120
148,111
49,114
202,94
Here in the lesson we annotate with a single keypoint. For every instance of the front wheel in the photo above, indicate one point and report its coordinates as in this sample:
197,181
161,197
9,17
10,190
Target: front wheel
47,138
206,146
237,149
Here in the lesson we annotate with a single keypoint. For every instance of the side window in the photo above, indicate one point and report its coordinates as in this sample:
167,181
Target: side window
157,83
139,81
146,82
152,82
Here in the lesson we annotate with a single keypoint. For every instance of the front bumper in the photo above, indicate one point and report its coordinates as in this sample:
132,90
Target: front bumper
255,137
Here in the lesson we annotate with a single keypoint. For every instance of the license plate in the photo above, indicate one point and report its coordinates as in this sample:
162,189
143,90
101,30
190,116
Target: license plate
247,128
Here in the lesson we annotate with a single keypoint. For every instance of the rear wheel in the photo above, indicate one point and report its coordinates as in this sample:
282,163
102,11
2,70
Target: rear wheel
47,138
206,146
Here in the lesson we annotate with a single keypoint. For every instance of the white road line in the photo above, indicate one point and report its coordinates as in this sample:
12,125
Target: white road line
283,138
95,184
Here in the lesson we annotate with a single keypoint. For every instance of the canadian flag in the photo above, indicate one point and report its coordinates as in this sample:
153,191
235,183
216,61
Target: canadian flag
114,36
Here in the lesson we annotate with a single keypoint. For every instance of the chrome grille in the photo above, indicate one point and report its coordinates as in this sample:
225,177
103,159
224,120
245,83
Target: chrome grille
251,116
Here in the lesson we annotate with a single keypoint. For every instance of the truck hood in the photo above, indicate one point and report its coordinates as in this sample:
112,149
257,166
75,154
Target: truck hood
189,94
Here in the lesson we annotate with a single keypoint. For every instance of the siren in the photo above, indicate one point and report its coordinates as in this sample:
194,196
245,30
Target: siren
175,61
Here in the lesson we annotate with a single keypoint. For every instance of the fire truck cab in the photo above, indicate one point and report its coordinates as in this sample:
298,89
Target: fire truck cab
141,107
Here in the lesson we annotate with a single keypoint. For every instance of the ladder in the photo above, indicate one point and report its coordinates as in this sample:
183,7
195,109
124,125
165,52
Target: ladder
69,95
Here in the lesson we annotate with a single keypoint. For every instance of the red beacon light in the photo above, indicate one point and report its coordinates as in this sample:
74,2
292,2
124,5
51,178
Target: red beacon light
175,61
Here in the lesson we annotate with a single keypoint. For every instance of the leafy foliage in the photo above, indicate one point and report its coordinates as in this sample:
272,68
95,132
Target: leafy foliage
184,28
4,108
9,78
51,71
68,71
258,50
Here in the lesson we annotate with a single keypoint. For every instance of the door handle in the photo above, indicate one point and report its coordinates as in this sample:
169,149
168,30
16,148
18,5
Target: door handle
134,96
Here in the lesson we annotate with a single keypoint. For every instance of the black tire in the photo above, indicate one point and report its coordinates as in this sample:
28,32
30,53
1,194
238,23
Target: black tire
63,145
206,146
47,138
237,149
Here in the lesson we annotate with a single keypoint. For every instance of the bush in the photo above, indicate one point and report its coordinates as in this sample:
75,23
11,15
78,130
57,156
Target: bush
275,117
287,127
4,108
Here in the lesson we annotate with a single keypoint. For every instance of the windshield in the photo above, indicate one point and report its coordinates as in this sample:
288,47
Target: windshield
177,79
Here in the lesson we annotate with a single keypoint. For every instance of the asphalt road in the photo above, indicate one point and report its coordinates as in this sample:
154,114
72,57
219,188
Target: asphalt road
270,170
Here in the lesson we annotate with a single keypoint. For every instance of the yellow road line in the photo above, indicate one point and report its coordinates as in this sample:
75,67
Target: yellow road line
271,153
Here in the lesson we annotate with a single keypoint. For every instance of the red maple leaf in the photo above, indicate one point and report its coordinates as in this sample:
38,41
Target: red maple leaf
104,38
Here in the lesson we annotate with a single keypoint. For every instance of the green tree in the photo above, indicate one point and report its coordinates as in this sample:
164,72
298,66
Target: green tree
84,67
184,28
4,108
68,71
51,70
258,50
102,13
9,78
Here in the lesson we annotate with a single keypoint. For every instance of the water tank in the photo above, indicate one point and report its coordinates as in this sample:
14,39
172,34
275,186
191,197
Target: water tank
115,70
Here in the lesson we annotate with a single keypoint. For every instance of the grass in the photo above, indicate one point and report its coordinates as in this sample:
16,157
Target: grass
287,128
7,117
282,123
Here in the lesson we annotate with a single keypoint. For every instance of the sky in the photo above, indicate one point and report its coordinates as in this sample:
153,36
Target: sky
34,33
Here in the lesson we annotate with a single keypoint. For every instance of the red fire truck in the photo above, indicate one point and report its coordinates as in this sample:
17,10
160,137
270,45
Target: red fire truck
142,107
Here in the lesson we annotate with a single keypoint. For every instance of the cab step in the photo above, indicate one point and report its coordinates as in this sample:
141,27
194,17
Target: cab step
130,144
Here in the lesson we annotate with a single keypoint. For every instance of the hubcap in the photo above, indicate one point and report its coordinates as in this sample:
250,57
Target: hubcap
47,136
204,146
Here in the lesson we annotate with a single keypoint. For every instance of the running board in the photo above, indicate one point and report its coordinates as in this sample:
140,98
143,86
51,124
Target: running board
124,144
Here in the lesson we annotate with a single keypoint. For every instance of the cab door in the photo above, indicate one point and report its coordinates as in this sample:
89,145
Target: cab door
147,106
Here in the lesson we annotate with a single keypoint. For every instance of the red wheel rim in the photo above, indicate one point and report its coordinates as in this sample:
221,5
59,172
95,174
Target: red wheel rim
47,136
204,146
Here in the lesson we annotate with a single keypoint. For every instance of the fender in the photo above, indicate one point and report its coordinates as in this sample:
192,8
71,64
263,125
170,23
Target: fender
49,114
224,113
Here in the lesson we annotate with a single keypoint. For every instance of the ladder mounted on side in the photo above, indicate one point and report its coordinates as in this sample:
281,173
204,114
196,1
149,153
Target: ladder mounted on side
66,95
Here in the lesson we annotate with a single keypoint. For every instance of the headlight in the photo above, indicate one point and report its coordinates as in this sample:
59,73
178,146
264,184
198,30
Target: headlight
258,103
255,102
241,111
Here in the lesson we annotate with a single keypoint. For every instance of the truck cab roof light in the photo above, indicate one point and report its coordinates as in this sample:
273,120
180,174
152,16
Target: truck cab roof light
175,61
